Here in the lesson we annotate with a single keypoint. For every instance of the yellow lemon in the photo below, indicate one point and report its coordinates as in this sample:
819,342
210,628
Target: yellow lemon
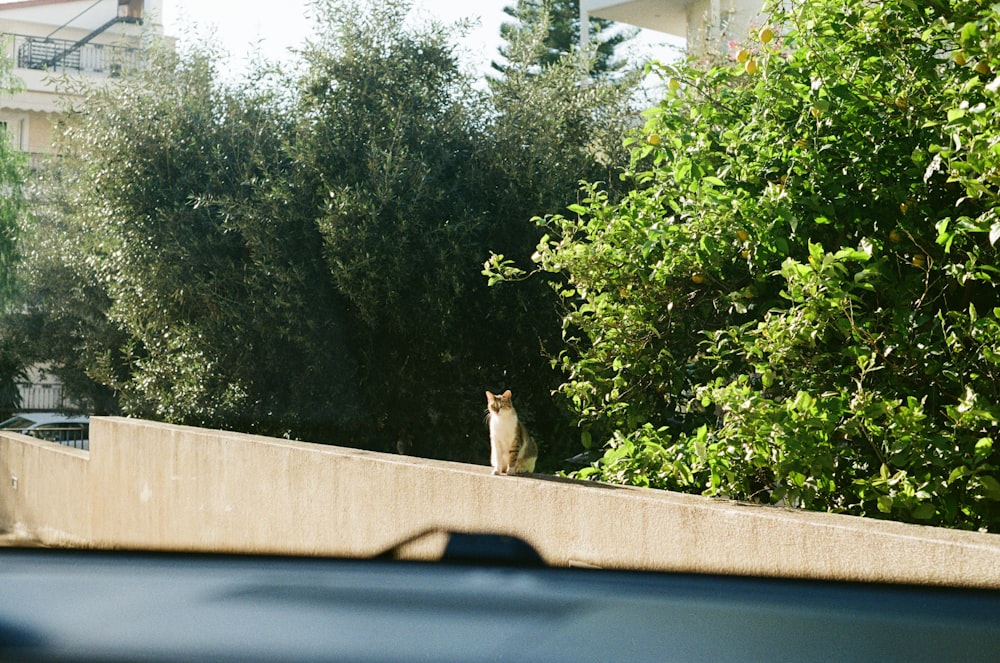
983,68
742,55
960,59
751,66
742,235
653,139
698,278
919,260
895,236
765,35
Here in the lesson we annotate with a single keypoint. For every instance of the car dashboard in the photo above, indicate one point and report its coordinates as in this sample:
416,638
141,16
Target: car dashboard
71,605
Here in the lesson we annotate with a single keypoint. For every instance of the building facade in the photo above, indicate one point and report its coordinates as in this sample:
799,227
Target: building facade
707,25
75,38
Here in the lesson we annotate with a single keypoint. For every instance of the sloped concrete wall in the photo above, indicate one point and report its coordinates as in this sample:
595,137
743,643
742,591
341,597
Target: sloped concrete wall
154,486
44,490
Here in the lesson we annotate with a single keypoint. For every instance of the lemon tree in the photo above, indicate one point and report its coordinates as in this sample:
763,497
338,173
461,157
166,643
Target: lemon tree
797,300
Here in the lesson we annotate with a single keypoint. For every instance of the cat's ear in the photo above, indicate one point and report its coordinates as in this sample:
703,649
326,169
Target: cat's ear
506,394
489,397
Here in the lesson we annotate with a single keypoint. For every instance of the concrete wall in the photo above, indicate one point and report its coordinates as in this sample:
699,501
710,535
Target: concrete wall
149,485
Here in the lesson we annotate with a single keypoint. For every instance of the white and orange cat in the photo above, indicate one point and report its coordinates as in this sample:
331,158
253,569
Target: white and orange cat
512,451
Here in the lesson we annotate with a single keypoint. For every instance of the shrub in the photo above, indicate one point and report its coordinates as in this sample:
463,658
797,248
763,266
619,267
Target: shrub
796,302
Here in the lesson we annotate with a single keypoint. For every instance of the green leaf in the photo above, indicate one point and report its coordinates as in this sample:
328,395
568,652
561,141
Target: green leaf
767,378
984,447
969,33
958,473
803,402
991,487
682,170
843,91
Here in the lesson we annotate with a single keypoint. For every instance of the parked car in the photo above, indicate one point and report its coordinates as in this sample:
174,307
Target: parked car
67,430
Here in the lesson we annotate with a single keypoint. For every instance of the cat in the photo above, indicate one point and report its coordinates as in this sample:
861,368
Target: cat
512,451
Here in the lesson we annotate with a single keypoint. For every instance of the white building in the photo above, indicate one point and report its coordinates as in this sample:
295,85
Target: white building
72,37
707,25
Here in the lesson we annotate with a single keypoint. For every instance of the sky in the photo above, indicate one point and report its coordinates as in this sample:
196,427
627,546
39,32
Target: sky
241,23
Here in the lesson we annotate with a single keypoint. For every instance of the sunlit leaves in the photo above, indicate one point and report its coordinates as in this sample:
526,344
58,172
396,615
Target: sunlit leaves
788,305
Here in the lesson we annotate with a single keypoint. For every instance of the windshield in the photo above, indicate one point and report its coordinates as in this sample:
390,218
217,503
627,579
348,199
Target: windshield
732,310
17,423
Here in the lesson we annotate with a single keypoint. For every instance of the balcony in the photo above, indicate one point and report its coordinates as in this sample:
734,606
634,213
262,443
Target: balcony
66,56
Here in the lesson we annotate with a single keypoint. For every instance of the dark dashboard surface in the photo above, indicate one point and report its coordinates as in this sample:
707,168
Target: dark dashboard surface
95,606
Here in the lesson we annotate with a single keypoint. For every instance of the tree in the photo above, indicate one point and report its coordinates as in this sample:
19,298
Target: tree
11,207
301,254
560,22
418,174
60,318
796,301
214,277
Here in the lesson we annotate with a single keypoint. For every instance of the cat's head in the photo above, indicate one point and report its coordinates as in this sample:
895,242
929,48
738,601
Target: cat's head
495,403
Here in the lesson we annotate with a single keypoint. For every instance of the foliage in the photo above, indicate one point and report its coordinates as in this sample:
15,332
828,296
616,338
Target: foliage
417,174
559,20
215,283
11,207
300,253
796,302
60,320
383,139
552,130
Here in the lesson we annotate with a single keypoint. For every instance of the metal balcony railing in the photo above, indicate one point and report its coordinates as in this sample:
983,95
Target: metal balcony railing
76,436
62,55
36,396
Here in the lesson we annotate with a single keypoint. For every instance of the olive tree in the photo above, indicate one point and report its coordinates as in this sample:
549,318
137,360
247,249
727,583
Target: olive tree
214,277
416,174
11,206
301,252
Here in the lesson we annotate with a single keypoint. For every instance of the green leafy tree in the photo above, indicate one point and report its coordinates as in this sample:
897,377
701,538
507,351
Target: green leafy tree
559,21
417,174
60,318
11,207
796,302
213,275
301,253
546,131
383,142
